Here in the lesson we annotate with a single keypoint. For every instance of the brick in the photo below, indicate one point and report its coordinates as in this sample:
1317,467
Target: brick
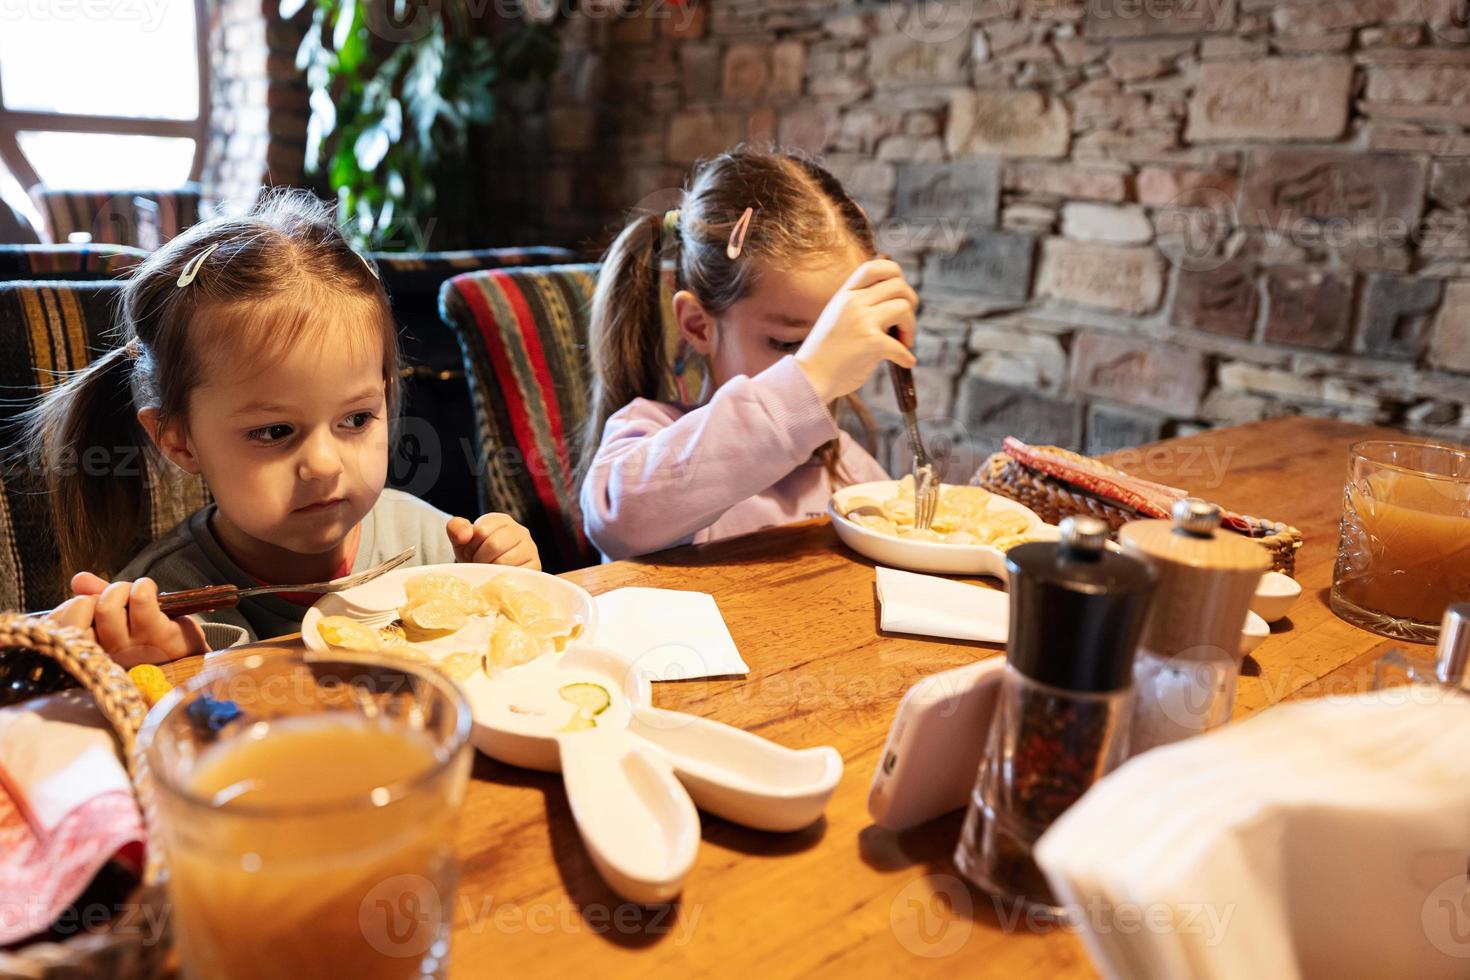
989,411
700,68
1450,347
1397,315
1396,35
840,87
863,126
700,133
1110,428
1222,300
1139,371
1120,225
1010,123
1142,18
897,60
809,127
1011,354
967,188
992,264
747,72
686,22
1270,98
1123,279
1029,216
1308,307
1338,16
1184,187
571,128
1328,186
788,68
1065,180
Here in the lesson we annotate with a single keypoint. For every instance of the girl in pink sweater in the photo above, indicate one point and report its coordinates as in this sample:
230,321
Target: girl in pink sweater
778,291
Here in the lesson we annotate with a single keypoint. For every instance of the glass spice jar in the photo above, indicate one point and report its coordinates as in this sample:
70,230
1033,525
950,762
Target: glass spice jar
1063,712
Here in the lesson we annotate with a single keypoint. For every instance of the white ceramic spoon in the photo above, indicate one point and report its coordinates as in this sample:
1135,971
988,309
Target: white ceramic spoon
630,778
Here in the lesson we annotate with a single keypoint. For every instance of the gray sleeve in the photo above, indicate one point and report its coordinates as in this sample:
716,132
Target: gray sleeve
219,636
406,521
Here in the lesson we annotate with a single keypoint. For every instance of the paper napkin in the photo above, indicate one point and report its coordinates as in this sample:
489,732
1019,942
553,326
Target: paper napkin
932,606
670,634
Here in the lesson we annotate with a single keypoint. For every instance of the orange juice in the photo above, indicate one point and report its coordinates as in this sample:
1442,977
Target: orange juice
1405,549
316,859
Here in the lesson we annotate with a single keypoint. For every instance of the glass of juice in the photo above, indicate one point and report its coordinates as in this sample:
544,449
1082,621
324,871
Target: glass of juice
1404,551
307,812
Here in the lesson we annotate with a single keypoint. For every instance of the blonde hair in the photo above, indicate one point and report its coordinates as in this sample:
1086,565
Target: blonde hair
268,273
801,210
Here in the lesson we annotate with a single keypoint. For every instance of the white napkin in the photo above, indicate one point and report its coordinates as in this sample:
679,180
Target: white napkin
671,635
932,606
1323,838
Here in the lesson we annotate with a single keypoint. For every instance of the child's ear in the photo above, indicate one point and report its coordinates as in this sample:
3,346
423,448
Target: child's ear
172,439
696,326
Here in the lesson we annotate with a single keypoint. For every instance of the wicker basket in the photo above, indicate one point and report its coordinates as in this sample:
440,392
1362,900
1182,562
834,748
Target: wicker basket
131,953
1054,499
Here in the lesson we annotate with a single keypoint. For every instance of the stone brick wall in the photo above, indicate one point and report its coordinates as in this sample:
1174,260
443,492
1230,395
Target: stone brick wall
258,101
1127,218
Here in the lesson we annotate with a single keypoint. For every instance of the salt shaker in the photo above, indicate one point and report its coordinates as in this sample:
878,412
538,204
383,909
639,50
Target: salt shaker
1189,657
1449,671
1062,714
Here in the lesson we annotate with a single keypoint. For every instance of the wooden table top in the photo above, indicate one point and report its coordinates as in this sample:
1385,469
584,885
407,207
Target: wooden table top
844,897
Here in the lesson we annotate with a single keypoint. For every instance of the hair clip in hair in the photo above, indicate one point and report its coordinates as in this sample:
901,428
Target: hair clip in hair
369,265
191,269
671,220
737,234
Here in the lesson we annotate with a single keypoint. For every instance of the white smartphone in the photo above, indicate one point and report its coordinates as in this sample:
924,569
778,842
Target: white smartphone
934,748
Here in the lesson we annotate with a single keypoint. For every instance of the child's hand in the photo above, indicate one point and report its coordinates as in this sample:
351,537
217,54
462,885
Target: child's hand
124,619
851,336
494,539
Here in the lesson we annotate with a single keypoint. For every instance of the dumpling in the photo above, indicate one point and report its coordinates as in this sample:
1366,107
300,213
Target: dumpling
435,613
348,634
511,645
431,584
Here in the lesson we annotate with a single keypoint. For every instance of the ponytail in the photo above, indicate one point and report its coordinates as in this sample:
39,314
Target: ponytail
626,337
85,438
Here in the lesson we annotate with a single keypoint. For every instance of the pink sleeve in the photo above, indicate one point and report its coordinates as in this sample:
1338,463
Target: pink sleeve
658,478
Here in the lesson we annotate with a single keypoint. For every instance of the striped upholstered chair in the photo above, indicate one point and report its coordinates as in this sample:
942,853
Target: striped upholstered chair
48,328
69,262
141,218
524,335
436,405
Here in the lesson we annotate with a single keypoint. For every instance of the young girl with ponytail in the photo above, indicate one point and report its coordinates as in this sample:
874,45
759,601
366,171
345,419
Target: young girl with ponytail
260,353
778,290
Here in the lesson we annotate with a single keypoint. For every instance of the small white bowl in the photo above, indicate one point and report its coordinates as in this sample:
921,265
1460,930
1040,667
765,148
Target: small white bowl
1275,595
1255,632
926,556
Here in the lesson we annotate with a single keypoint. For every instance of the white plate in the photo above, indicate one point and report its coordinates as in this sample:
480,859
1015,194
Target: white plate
926,556
384,593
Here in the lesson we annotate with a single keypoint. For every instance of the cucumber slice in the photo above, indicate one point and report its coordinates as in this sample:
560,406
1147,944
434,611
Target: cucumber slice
591,698
579,722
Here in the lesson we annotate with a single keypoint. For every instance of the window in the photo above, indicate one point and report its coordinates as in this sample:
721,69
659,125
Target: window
101,94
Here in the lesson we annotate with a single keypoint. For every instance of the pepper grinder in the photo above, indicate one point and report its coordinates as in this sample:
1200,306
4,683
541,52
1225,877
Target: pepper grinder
1190,656
1062,713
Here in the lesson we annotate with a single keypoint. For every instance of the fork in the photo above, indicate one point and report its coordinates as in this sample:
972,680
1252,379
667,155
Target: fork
926,480
212,597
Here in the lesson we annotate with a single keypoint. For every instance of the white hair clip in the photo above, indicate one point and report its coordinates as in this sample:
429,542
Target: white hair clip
737,235
370,269
191,269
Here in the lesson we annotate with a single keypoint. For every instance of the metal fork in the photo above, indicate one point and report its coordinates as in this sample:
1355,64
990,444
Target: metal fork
926,479
212,597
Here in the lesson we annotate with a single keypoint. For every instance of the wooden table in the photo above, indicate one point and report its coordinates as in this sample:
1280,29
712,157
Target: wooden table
843,897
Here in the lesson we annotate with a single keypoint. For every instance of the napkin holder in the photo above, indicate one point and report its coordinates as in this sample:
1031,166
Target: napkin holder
112,951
